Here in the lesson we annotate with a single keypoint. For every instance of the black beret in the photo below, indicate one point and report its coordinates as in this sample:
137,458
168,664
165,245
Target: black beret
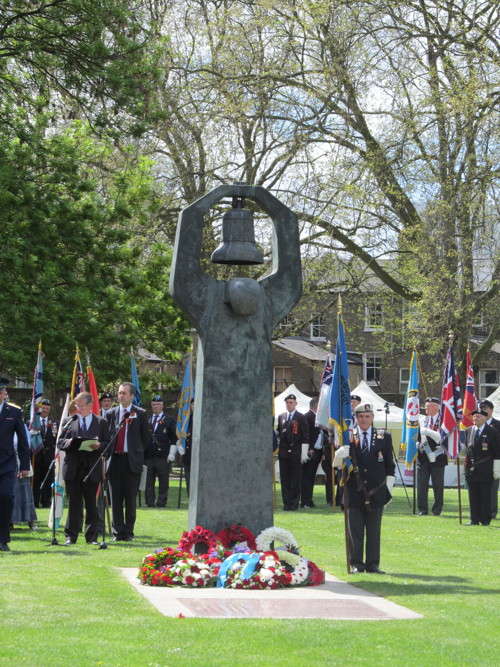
105,394
292,396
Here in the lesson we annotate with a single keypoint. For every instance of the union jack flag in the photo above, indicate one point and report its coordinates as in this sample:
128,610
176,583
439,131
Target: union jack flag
470,398
323,413
451,408
78,380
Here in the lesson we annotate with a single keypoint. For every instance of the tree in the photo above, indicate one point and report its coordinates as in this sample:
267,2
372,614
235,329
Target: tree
376,121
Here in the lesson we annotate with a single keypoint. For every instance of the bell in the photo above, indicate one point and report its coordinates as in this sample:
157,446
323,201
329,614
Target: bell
238,237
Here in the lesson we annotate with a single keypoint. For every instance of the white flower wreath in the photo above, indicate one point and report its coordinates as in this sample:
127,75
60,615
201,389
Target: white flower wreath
300,572
275,534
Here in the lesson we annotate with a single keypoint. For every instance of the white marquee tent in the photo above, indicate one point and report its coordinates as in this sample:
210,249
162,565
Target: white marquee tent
495,399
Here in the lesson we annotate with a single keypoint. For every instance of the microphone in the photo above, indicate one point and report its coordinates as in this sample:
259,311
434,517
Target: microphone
126,415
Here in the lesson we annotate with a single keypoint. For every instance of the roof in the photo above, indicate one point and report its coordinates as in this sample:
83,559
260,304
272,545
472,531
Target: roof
305,348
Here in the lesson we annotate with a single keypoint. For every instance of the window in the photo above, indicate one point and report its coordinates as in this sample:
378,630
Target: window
489,379
372,368
317,329
404,378
374,316
289,323
282,378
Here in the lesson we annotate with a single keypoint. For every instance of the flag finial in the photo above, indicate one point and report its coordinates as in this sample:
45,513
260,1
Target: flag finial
339,305
451,337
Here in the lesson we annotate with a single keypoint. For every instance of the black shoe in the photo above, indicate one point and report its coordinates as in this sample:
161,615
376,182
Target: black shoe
94,542
375,570
422,513
356,570
472,523
69,542
115,538
128,539
4,546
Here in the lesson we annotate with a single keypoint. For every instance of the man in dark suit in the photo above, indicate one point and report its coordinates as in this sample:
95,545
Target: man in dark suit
80,462
314,454
159,453
130,424
368,488
11,423
431,459
44,457
293,433
488,407
482,465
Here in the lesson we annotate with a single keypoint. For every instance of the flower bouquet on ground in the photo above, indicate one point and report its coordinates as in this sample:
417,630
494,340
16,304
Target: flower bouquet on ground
234,559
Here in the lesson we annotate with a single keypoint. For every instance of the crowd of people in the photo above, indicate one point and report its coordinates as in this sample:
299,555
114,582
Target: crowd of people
115,446
369,464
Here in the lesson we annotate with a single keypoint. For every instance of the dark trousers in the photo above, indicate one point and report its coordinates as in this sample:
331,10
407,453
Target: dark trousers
326,464
480,502
124,487
157,468
80,492
309,470
364,526
494,498
290,476
424,473
7,481
43,496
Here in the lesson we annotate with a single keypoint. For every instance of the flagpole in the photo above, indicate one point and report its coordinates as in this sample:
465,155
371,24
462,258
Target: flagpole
459,486
344,467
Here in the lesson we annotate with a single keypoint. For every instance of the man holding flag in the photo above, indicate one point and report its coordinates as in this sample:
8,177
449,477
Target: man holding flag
431,459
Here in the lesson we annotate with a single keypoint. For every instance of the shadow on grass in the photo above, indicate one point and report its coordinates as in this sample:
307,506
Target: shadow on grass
426,585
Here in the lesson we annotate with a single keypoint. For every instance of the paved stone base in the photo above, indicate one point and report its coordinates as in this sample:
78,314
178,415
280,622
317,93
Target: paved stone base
334,599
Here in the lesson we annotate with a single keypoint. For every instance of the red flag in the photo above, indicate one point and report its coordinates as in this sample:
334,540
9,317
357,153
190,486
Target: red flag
93,390
451,408
470,398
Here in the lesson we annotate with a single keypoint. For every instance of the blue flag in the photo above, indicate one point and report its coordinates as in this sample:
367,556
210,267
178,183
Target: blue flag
340,397
184,411
411,413
36,403
135,381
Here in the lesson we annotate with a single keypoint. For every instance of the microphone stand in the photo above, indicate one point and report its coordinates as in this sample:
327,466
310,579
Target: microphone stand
105,476
64,432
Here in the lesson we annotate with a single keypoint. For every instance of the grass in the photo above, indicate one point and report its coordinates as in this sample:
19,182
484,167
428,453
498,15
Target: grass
71,606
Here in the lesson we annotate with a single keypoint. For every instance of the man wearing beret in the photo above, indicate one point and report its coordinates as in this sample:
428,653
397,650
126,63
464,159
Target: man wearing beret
159,454
488,407
293,434
105,402
368,488
44,457
11,423
431,459
482,466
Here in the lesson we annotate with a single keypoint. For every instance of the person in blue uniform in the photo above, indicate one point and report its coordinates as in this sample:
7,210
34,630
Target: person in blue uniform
11,423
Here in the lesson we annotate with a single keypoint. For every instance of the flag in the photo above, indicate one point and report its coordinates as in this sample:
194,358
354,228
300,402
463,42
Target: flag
411,413
135,381
184,410
77,381
340,397
57,506
451,408
93,389
323,413
36,441
470,398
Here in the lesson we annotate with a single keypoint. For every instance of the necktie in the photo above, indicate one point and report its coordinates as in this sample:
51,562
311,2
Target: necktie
364,448
153,425
476,436
289,418
44,428
120,440
84,426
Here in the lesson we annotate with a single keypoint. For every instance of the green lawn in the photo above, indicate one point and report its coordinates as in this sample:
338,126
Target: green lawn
71,606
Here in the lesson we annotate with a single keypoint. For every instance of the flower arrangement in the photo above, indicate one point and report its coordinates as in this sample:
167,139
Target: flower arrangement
235,559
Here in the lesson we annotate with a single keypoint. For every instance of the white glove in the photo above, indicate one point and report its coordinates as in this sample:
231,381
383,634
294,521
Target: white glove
180,448
496,469
171,454
304,457
389,480
340,455
429,433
